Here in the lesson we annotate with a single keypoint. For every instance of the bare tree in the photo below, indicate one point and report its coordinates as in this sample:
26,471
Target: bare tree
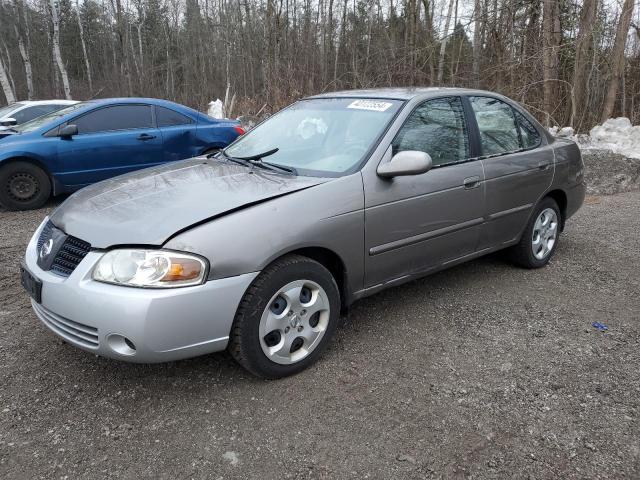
443,43
6,84
617,58
551,47
477,40
84,47
56,50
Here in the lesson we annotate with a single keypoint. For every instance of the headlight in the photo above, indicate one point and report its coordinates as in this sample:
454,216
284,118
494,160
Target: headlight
150,268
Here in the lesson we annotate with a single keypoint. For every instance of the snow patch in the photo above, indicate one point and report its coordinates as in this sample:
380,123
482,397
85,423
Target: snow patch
216,109
616,135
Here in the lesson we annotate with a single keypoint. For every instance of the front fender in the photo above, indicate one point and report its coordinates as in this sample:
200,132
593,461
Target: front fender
329,215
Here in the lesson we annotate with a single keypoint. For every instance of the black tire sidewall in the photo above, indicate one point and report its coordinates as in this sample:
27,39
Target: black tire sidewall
528,233
268,283
44,184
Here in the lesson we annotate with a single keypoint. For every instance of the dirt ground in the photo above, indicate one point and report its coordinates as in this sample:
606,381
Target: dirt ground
482,371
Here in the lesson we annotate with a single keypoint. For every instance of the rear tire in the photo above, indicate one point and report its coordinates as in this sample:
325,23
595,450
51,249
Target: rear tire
286,318
23,186
540,239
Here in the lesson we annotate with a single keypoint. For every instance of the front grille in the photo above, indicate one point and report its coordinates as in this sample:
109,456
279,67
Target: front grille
68,329
69,254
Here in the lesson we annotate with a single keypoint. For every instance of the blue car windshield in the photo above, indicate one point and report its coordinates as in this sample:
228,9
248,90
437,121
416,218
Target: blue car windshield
38,122
319,137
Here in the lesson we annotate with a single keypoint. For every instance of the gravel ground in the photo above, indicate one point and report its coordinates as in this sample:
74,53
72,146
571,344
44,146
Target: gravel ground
482,371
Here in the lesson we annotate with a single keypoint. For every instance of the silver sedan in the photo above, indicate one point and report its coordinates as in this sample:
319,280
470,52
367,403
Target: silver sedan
259,248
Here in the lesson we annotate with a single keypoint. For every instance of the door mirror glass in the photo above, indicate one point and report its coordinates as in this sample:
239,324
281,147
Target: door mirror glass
68,131
8,121
407,162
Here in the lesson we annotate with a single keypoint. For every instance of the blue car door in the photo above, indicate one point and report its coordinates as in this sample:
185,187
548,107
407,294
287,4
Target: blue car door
179,134
111,140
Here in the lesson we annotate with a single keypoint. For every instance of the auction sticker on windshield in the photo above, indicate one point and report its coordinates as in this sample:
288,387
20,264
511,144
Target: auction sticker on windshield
373,105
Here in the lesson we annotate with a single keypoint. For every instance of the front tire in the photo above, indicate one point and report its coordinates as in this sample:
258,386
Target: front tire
286,318
23,186
540,239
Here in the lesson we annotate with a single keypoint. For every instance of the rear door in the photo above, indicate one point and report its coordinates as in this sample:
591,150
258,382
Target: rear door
416,223
111,141
518,167
178,132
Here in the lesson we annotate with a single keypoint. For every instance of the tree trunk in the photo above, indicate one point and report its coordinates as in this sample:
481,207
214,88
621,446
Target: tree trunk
87,66
477,42
551,46
584,41
56,50
443,43
6,84
617,59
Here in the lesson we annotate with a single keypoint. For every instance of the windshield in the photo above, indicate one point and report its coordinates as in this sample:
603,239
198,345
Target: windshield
319,137
36,123
4,111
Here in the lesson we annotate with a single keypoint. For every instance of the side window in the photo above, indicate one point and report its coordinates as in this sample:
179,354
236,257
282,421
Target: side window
119,117
497,125
30,113
528,133
165,117
436,127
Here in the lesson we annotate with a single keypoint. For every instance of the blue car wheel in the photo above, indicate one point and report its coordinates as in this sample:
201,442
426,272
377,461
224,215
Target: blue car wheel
23,186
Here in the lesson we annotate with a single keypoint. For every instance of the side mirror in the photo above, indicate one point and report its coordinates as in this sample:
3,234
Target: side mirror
8,122
68,131
409,162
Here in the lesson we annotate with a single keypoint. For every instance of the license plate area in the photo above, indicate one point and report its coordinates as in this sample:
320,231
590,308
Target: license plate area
31,284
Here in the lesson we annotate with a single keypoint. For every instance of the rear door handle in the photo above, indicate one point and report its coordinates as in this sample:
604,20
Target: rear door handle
543,165
146,136
471,182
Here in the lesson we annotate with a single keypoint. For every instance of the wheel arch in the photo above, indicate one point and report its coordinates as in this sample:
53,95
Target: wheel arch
560,198
213,146
35,161
332,262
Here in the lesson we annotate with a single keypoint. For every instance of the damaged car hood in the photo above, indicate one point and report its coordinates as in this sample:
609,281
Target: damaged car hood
147,207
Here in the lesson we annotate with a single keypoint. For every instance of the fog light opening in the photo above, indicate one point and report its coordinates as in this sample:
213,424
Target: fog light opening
121,344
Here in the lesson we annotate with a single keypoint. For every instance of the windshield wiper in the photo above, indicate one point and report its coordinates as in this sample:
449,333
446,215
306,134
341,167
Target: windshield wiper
259,156
274,166
257,161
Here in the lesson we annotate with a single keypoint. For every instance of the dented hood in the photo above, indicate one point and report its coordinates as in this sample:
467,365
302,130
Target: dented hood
149,206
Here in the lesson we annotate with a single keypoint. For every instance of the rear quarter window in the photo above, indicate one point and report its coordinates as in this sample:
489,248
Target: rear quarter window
165,117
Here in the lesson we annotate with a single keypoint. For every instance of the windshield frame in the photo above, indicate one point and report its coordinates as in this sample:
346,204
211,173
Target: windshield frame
357,166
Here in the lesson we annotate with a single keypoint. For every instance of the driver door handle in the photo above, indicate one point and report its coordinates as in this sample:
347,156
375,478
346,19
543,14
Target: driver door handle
471,182
146,136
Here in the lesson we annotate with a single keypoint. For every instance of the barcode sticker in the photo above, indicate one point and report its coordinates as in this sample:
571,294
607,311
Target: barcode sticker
373,105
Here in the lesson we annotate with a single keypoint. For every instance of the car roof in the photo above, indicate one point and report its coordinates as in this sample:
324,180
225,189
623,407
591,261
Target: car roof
30,103
403,93
154,101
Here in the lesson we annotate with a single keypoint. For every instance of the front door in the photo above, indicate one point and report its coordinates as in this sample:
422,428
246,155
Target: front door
518,168
111,141
416,223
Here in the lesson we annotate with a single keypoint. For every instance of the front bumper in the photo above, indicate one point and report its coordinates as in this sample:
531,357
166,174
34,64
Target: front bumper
161,324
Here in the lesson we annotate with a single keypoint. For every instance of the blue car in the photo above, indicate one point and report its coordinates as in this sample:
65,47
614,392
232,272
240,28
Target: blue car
91,141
